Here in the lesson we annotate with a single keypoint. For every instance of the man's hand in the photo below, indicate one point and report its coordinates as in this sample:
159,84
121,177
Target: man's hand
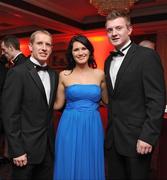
143,147
21,160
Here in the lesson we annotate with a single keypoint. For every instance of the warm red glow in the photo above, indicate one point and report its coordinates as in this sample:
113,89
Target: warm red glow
102,48
24,46
97,38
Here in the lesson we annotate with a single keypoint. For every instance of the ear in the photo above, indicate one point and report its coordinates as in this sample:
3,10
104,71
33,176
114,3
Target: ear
11,47
130,29
30,47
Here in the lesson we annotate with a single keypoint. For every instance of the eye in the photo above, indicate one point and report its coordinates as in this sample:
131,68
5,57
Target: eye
84,48
109,30
49,45
118,28
75,49
39,43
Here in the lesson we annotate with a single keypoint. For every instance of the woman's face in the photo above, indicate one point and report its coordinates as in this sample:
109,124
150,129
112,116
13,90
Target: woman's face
80,53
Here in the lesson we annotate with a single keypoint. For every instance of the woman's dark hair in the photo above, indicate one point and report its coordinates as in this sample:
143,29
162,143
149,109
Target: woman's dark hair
83,40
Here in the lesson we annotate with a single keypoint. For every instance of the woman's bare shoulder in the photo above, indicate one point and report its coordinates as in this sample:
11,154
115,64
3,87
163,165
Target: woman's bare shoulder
99,72
65,73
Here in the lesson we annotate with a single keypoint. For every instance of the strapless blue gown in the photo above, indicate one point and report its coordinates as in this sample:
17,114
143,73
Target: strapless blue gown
79,143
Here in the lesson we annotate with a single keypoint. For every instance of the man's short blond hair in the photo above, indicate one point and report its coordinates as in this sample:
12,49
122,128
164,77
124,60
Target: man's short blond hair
32,37
114,14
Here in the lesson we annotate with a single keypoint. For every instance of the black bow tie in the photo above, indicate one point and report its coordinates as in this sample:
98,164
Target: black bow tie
116,53
41,68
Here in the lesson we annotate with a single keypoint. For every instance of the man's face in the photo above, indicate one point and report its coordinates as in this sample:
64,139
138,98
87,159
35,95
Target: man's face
41,48
118,31
7,51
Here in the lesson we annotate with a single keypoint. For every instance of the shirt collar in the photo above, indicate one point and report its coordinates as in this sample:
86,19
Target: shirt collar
36,62
16,56
126,45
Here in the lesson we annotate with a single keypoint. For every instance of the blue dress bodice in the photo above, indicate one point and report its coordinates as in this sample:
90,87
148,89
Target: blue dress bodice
80,98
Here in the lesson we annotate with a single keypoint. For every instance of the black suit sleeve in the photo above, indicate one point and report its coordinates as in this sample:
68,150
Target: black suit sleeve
11,108
3,71
154,90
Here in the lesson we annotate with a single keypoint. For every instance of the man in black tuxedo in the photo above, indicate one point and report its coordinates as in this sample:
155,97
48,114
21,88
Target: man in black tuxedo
27,107
136,92
10,47
3,71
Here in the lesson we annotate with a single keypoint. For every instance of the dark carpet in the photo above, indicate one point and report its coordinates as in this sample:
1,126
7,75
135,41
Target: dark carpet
5,170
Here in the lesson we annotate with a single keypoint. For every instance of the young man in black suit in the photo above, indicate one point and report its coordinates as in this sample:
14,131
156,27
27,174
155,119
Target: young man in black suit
10,47
27,105
136,92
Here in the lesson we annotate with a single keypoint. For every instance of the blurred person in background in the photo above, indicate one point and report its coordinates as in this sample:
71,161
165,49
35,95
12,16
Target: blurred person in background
10,47
148,44
3,145
11,56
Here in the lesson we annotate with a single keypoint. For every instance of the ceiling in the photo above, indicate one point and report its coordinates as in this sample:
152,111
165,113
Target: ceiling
64,17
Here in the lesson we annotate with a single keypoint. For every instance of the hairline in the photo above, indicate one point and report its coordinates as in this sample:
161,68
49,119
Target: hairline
33,35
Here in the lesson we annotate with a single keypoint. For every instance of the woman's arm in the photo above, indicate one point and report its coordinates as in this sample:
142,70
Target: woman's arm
104,89
60,95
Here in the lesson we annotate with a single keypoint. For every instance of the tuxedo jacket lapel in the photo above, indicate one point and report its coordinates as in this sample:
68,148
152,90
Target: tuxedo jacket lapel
107,72
52,85
127,60
36,78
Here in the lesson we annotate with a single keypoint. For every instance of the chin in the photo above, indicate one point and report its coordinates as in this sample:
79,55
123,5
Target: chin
83,62
43,58
116,44
42,61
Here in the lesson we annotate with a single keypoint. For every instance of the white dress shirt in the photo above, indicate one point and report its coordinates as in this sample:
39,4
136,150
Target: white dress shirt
116,64
45,78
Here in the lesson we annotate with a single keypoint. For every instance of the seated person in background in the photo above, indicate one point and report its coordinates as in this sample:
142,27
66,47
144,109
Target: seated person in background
147,43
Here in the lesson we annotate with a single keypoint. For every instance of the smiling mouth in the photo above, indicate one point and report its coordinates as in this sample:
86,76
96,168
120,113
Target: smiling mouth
81,58
115,39
43,55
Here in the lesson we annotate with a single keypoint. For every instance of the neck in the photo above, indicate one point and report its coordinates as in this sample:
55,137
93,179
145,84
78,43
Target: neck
122,45
82,68
16,52
36,61
42,62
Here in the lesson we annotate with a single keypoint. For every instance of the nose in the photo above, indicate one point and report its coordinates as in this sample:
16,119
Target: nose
44,47
114,32
80,52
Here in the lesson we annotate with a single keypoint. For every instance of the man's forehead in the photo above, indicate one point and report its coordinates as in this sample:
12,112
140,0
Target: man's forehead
115,23
40,37
114,26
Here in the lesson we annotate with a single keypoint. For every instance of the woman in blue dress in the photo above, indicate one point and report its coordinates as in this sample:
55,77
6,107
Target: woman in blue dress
79,141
